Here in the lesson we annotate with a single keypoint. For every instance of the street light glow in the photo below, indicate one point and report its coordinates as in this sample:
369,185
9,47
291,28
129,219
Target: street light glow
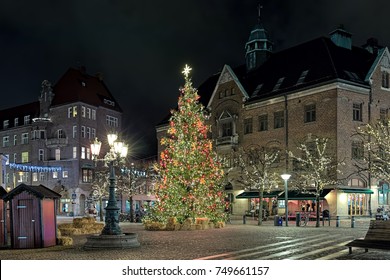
111,138
285,177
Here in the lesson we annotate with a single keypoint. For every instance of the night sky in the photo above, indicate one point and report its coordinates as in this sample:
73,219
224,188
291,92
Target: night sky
142,46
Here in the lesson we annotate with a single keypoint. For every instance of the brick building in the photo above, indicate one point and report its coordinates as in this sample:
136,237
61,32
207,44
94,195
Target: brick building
48,141
326,87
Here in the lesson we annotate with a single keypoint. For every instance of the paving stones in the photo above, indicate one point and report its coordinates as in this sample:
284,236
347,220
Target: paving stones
187,245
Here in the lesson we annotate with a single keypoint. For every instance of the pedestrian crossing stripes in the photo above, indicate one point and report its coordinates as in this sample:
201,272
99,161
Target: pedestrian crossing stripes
320,246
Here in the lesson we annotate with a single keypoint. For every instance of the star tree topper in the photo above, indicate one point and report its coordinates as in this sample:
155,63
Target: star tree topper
186,71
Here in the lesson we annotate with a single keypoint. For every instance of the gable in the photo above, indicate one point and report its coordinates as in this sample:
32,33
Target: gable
382,60
227,75
225,115
385,62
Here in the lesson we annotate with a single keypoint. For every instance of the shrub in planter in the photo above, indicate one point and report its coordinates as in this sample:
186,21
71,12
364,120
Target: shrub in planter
219,224
203,222
149,225
67,231
65,241
171,223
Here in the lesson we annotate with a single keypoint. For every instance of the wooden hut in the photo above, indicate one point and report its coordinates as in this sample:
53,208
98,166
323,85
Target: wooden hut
3,218
33,220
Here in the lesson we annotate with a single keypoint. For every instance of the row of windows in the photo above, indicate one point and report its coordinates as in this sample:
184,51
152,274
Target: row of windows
6,140
357,153
22,177
310,115
227,92
86,132
86,112
263,122
112,121
24,157
26,119
85,153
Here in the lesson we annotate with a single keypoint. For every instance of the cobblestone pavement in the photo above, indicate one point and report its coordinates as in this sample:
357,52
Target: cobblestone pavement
235,241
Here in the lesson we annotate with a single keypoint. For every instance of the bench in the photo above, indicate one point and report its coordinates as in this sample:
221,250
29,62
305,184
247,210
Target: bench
377,237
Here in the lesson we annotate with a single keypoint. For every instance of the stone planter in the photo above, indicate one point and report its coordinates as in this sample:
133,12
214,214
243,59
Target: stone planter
173,225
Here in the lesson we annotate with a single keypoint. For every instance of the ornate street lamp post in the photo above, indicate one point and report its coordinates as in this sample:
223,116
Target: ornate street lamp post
285,177
117,151
111,236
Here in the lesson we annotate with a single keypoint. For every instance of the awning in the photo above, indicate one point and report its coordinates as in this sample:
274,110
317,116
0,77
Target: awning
255,194
297,195
349,190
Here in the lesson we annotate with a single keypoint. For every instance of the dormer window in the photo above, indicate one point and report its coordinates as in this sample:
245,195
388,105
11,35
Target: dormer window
278,84
352,76
258,88
302,77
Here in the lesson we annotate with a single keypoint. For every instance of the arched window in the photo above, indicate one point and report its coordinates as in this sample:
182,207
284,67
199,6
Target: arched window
226,124
356,183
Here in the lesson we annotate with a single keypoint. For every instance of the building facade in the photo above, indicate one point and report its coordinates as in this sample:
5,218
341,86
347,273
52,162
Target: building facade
48,141
325,88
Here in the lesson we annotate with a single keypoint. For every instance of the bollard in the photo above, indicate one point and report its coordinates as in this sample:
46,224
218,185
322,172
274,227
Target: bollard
337,221
352,221
244,219
298,219
276,220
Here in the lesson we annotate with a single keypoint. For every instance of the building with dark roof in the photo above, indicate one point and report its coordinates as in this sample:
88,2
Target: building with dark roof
48,141
326,87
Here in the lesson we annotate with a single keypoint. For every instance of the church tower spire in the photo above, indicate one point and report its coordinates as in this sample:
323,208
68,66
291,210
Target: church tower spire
258,47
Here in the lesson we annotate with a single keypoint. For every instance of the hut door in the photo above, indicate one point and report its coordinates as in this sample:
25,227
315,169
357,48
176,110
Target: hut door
3,219
25,233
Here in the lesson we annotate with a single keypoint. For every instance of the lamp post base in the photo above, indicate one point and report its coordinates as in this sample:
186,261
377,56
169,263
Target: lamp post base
122,241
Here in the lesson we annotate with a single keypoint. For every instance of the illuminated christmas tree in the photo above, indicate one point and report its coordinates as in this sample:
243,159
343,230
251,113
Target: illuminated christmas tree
191,177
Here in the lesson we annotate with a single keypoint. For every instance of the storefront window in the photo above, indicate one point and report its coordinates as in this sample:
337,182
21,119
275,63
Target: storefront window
356,204
383,193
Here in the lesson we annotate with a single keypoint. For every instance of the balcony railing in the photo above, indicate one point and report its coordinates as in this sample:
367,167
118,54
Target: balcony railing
227,140
56,142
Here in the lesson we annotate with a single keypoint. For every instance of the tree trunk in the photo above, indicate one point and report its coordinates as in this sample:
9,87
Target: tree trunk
369,206
131,209
260,215
318,208
101,208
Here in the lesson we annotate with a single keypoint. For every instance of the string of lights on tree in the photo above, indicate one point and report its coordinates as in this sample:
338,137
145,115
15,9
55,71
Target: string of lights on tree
191,177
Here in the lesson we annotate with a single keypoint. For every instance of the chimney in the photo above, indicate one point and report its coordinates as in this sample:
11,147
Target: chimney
341,38
372,46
